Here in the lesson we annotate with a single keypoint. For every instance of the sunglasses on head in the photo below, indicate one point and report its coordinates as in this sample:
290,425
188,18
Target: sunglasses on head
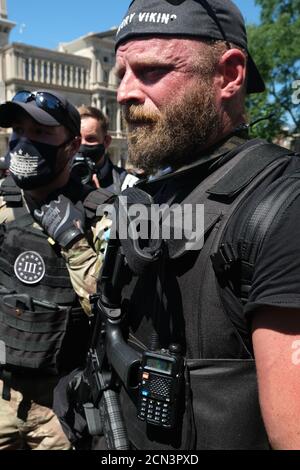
48,103
42,99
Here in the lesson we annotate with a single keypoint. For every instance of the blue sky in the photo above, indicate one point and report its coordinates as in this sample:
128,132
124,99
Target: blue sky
46,23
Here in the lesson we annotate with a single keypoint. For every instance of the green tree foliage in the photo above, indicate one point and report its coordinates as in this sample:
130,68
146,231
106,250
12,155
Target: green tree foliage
275,47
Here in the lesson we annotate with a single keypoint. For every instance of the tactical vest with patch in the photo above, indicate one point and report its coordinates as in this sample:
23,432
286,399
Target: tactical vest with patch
42,325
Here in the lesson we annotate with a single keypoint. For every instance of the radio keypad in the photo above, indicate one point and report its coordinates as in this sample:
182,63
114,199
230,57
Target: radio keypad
157,411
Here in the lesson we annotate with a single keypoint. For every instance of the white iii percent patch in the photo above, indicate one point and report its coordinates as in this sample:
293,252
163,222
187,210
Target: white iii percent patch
30,267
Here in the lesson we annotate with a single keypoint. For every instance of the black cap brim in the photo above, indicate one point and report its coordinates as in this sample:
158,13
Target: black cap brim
9,113
255,83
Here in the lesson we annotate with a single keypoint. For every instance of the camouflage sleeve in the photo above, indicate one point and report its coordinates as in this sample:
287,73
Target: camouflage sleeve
84,263
6,213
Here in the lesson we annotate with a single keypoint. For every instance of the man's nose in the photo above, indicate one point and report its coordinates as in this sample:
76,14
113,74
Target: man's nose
130,90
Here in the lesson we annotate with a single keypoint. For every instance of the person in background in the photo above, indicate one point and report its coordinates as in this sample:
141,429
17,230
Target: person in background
94,147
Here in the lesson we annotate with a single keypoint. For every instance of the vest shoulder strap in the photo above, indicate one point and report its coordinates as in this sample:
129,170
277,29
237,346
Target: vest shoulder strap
12,195
256,158
224,190
234,262
95,199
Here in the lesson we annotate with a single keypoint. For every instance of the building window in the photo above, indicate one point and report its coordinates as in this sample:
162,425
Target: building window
26,69
57,74
68,75
111,114
63,74
105,76
32,70
45,71
51,72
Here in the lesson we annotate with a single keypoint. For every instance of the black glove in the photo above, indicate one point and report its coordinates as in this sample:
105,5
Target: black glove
62,220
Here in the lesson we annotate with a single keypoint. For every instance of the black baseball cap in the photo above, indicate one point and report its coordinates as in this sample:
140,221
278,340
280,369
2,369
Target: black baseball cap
207,19
46,107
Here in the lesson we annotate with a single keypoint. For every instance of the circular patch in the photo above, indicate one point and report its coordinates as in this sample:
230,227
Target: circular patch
30,267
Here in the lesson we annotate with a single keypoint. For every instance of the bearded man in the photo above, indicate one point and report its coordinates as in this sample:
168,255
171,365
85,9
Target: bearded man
185,70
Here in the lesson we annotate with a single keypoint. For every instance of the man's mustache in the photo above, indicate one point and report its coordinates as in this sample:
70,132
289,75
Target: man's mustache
138,114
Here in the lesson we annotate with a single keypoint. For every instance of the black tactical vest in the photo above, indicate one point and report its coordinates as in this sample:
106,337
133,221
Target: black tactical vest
220,408
41,322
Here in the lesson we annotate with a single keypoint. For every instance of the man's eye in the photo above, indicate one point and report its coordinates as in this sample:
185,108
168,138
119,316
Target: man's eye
153,74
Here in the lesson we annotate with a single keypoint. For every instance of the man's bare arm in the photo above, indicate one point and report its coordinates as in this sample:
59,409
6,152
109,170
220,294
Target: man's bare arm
276,343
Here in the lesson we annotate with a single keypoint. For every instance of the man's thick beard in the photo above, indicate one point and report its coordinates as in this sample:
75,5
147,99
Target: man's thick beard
174,137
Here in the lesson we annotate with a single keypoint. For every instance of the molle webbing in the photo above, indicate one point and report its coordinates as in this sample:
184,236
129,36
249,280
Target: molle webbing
42,325
56,285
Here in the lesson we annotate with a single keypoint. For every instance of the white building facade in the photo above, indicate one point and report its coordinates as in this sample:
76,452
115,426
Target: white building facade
82,70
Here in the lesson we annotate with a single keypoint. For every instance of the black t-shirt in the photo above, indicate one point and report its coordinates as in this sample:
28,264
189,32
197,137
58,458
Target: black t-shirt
276,277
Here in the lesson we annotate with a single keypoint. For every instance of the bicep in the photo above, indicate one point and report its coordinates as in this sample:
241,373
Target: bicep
276,344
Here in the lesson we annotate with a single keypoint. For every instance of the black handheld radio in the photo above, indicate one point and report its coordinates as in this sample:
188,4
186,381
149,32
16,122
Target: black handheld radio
160,384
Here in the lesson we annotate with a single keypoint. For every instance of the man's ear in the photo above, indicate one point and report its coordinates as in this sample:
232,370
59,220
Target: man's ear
232,69
107,141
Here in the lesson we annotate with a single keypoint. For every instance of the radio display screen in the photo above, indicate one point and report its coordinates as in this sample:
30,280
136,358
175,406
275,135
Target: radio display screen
159,364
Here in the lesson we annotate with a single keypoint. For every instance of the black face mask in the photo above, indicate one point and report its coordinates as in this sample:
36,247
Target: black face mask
93,152
33,164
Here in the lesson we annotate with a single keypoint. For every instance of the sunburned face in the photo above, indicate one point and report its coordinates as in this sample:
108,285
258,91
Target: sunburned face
168,107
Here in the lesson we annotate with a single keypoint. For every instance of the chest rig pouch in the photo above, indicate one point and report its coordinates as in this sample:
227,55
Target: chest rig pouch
221,408
42,326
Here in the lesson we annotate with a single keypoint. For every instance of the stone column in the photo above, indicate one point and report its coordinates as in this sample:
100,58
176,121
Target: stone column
23,68
37,65
54,73
81,77
93,72
30,69
72,76
65,77
98,71
42,71
3,9
77,77
48,73
104,107
59,74
119,121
